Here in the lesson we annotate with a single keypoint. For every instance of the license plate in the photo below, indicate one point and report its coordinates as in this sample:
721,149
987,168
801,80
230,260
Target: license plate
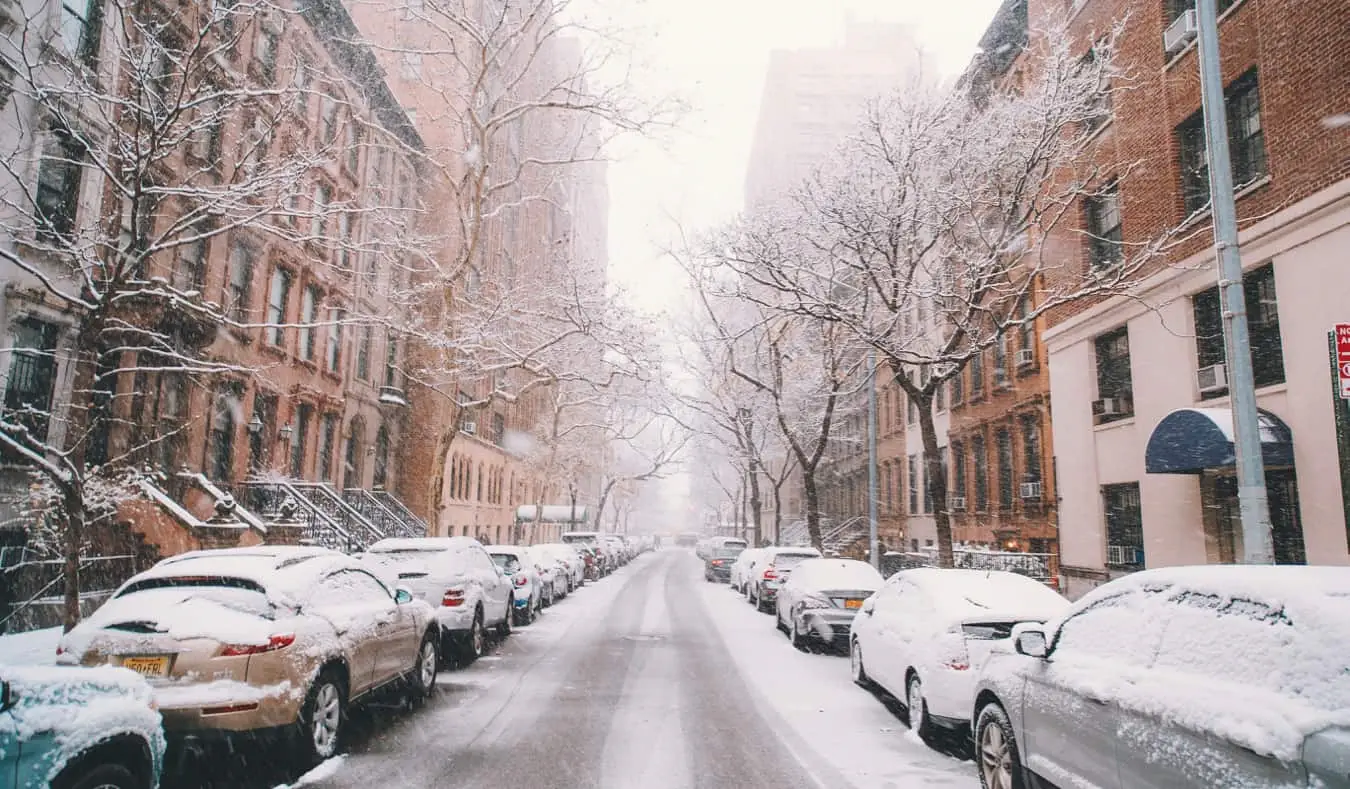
157,666
852,604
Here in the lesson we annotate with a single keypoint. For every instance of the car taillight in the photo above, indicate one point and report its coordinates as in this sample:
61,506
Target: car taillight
716,562
521,580
770,574
278,641
452,598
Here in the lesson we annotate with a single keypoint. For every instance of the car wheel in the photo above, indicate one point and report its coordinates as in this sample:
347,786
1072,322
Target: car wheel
474,643
917,709
760,605
99,776
422,679
860,677
795,636
1000,764
503,628
778,622
323,719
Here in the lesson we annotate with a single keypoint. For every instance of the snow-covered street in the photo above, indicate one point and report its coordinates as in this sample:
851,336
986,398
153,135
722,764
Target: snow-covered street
652,678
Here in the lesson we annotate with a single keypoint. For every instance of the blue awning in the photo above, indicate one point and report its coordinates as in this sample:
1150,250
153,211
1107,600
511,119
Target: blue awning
1190,440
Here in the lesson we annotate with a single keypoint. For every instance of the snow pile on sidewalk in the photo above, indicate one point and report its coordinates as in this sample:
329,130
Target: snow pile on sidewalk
32,648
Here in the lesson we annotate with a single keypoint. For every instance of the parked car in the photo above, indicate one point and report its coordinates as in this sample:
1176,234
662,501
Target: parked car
456,577
552,574
818,601
706,547
739,574
1178,677
528,596
770,570
717,567
614,551
570,558
78,728
588,543
251,640
925,634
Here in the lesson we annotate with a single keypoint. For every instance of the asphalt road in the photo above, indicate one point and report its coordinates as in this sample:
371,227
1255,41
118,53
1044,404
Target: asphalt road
624,684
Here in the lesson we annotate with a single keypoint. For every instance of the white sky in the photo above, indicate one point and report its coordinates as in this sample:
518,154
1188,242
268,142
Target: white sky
713,53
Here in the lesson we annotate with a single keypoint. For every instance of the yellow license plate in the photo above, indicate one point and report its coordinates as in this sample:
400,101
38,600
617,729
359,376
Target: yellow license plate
148,666
851,604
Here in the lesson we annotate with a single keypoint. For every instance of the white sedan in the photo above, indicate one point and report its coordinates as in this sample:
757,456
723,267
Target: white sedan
924,636
820,599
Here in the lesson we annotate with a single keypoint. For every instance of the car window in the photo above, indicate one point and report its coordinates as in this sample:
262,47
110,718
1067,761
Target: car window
786,561
1125,628
507,562
349,586
479,560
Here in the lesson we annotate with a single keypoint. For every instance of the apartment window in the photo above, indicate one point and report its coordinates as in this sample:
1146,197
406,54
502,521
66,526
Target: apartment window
977,374
352,142
58,186
1246,142
172,414
333,353
304,413
328,428
1003,440
1176,8
189,268
1124,525
980,459
1114,388
309,315
239,283
927,487
277,296
1000,350
351,455
1026,332
958,486
32,377
498,429
1101,101
328,120
363,352
913,463
381,458
205,142
260,442
1105,240
345,253
318,223
391,375
300,87
220,443
1031,449
1263,327
81,28
958,388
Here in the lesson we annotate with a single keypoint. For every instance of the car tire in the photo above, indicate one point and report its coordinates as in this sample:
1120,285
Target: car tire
795,636
503,628
918,718
323,718
760,606
99,776
997,758
520,616
422,678
473,643
855,657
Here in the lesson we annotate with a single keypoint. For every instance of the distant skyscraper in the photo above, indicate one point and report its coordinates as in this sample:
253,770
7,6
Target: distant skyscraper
814,97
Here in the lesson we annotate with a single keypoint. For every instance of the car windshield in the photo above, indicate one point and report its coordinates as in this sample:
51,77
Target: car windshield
506,561
786,561
239,594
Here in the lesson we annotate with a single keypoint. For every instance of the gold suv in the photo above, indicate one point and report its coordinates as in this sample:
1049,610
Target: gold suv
262,639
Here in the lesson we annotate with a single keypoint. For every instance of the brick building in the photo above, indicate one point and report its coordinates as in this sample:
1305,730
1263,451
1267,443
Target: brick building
1138,384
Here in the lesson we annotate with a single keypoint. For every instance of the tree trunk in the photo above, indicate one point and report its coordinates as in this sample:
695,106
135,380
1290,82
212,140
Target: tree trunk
756,506
935,473
777,510
812,496
72,492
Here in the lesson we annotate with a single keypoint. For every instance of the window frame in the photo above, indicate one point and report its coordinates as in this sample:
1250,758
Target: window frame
1106,245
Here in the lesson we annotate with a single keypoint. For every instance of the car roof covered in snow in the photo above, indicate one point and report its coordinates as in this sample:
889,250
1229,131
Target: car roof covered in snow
791,550
398,544
841,574
960,595
513,550
1277,586
280,567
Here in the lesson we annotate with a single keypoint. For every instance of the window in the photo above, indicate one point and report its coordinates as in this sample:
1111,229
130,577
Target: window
352,142
1000,350
1003,439
927,488
58,186
265,46
1031,450
80,28
328,120
1102,215
1026,333
498,429
220,444
381,458
391,372
239,283
913,464
171,418
980,458
309,309
1263,327
1246,142
977,374
1101,101
277,296
333,353
958,388
958,486
1113,375
303,414
32,377
260,441
351,455
328,428
363,352
1124,525
190,266
1176,8
318,223
205,142
300,87
345,253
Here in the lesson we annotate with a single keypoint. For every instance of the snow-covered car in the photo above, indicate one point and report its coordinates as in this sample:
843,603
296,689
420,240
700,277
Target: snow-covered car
457,578
1178,677
820,599
528,597
707,546
255,640
924,636
568,557
770,570
717,567
614,551
78,728
587,543
552,575
740,569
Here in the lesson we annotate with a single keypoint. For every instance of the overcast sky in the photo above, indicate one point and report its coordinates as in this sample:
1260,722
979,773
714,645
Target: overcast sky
713,53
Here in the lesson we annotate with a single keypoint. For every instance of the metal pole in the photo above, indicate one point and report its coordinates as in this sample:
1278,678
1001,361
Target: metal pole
872,457
1257,545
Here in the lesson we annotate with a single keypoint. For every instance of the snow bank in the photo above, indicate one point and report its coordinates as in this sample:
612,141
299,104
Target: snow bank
33,648
323,771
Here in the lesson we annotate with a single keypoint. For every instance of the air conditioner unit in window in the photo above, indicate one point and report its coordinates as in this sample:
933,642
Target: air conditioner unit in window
958,504
1111,406
1031,490
1212,379
1180,32
469,428
1026,357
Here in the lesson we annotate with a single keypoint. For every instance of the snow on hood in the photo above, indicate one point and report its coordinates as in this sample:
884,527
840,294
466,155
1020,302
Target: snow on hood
987,595
180,613
838,574
78,708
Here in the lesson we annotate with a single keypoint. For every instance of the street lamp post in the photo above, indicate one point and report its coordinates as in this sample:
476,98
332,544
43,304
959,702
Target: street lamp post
1257,545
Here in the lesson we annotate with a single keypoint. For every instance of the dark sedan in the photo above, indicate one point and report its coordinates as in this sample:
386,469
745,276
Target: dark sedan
717,567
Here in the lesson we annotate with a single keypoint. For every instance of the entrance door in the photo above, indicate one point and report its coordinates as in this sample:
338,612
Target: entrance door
1286,522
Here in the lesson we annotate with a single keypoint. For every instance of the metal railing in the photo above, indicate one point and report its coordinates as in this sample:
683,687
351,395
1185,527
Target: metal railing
384,510
1129,555
36,583
276,499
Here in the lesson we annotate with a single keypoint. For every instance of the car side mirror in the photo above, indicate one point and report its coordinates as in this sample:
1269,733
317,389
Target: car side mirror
869,605
403,595
6,696
1032,643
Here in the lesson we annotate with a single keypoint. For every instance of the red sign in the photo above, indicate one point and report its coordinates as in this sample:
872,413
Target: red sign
1343,357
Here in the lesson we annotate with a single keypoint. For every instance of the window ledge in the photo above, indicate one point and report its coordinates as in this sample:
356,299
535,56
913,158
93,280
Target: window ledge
1195,41
1127,421
1204,214
1261,391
